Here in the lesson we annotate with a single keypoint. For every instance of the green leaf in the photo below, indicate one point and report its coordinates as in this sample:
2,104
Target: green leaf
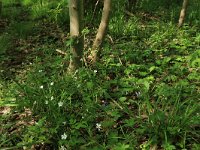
121,147
122,99
85,31
146,84
129,122
143,73
108,123
152,68
90,85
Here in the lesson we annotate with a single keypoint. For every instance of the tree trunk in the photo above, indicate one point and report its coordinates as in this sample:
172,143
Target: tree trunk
182,13
76,26
101,31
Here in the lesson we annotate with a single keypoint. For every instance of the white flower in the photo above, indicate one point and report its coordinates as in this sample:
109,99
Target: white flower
46,102
60,104
62,148
41,87
52,83
64,136
137,94
175,40
64,123
95,71
40,71
98,126
52,98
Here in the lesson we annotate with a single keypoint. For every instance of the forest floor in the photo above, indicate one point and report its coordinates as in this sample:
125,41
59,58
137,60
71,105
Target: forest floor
143,94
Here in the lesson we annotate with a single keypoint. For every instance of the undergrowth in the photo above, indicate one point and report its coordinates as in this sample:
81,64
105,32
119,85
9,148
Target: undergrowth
142,94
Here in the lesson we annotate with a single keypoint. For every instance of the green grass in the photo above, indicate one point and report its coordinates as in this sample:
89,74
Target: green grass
143,93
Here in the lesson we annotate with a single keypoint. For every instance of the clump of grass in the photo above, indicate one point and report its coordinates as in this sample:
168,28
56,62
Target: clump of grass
23,29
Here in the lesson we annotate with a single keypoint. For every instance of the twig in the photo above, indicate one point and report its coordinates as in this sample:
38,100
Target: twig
110,38
117,104
94,10
61,52
129,13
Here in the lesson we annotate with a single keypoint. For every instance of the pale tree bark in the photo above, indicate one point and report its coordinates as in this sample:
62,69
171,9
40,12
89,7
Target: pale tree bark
101,31
183,13
76,27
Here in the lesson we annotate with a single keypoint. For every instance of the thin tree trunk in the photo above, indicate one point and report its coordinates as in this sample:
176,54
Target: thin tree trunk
101,31
76,26
182,13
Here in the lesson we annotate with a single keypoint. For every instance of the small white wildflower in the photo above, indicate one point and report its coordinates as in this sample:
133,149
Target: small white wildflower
64,136
62,148
95,71
52,98
175,40
60,104
98,126
34,102
52,83
30,63
64,123
137,94
46,102
40,71
41,87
